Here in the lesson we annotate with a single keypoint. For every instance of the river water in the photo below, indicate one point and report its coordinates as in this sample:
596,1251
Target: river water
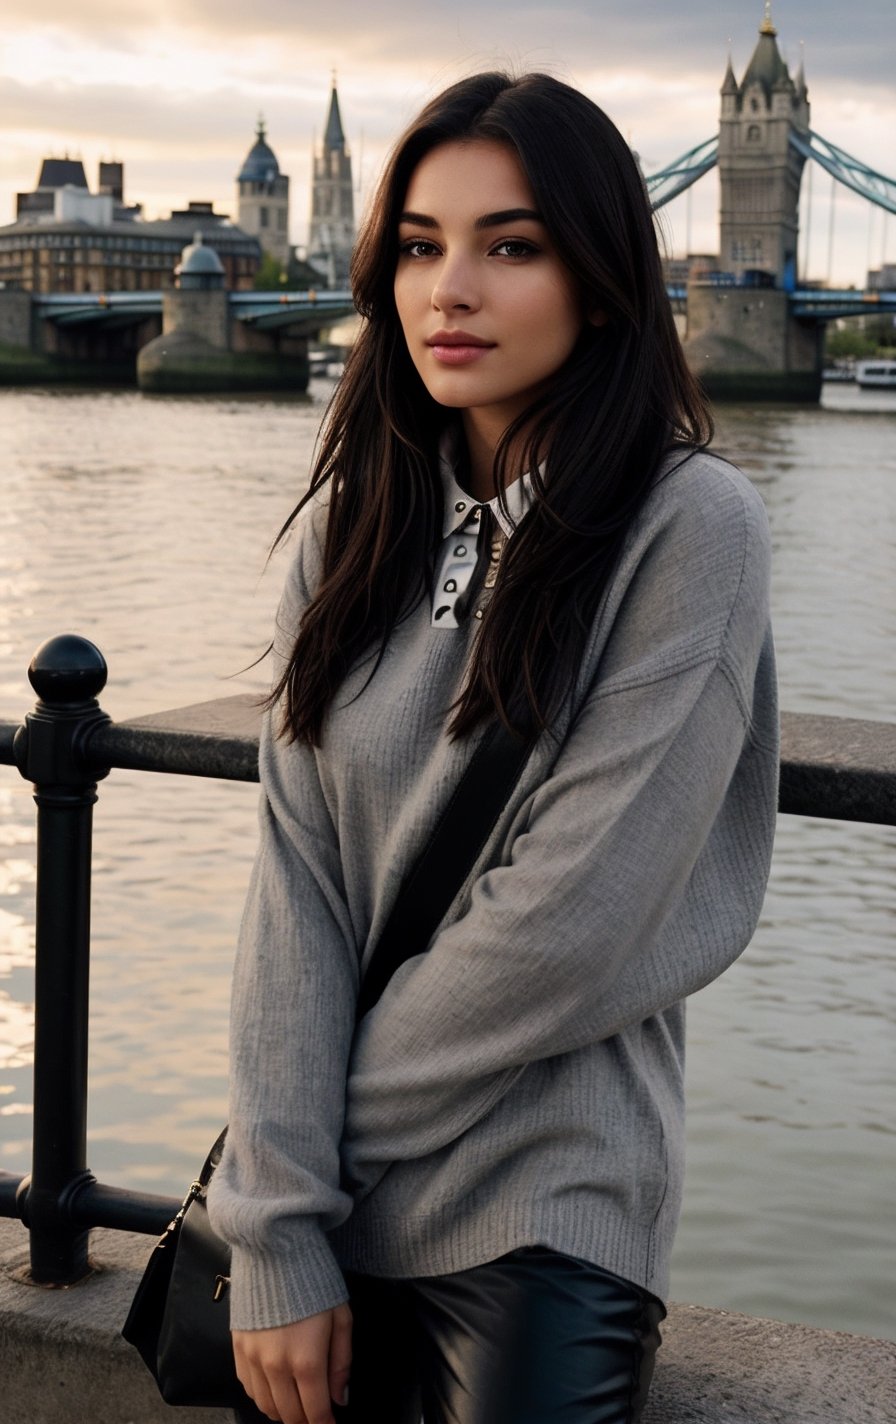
144,523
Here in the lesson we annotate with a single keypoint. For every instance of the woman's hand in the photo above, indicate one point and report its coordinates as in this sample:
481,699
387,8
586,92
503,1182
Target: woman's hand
293,1371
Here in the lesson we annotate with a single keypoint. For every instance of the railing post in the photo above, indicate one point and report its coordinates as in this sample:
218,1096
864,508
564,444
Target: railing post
67,673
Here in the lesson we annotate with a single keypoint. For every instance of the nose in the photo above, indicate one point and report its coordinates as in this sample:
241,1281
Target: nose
455,287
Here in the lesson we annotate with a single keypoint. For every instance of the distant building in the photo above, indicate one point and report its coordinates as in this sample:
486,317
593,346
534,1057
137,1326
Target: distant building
263,198
55,174
66,175
883,278
67,239
678,271
331,235
112,180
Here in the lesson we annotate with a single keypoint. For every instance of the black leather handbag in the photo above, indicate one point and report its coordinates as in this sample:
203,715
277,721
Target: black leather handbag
179,1319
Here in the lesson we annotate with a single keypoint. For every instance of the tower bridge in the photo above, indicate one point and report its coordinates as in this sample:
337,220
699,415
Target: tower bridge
754,325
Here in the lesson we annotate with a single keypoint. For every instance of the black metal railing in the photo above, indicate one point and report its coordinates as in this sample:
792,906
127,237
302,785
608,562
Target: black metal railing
834,767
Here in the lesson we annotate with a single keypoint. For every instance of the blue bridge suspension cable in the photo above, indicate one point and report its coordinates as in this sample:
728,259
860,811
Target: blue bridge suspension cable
876,187
854,174
665,185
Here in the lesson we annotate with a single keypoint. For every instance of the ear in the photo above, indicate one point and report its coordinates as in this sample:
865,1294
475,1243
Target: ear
598,317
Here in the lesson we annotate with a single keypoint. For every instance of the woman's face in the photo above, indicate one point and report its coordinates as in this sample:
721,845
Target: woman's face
489,311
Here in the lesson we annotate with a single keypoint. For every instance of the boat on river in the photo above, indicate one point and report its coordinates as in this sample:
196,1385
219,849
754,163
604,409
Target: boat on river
876,375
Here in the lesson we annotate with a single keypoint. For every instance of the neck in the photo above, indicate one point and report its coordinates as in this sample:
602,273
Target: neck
481,454
482,437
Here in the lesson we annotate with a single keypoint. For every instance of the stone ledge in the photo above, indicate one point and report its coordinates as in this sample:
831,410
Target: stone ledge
838,767
62,1358
61,1354
717,1367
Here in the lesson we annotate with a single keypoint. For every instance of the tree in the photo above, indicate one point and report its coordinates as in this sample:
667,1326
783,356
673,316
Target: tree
270,275
860,337
844,341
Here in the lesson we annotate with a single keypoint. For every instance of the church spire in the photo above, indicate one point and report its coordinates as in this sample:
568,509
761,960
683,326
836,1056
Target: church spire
334,138
331,234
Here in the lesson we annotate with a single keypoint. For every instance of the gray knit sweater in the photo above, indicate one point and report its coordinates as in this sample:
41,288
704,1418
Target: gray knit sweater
522,1081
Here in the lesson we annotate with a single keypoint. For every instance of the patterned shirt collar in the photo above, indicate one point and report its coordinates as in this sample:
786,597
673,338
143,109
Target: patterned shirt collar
458,502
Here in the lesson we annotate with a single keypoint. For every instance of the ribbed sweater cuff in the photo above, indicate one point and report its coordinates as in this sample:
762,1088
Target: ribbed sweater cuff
278,1288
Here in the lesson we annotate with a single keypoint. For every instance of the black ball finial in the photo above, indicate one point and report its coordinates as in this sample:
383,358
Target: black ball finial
67,669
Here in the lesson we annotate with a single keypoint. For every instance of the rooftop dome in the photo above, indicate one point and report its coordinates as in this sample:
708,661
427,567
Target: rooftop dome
261,164
199,258
199,266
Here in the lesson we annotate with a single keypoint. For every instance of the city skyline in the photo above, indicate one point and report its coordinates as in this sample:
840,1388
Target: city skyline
175,92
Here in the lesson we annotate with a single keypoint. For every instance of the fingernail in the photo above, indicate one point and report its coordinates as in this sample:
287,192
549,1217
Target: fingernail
345,1397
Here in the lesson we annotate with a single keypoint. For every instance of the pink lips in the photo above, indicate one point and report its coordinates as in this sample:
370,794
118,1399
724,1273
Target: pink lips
458,348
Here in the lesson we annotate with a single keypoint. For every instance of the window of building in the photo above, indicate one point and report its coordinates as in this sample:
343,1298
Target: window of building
747,250
263,215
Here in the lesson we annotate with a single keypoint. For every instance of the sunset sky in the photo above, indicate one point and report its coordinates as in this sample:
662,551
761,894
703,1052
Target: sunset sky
174,88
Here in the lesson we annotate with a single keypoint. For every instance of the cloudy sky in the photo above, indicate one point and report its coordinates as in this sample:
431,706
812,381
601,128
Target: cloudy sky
174,87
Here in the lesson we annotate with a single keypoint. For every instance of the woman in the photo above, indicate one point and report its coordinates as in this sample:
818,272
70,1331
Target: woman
512,515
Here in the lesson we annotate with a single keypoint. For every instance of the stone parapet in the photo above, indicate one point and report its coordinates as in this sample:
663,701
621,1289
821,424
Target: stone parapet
61,1357
61,1354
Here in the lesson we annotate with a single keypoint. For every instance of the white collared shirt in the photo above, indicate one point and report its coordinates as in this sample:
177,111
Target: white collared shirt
461,525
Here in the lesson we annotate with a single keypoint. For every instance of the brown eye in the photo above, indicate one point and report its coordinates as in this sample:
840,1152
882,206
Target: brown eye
514,247
417,247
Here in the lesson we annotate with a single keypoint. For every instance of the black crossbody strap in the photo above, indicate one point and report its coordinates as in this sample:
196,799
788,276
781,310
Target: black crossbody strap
447,859
445,862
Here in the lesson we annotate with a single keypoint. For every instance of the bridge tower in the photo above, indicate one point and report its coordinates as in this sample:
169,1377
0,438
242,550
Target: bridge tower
759,169
331,235
742,340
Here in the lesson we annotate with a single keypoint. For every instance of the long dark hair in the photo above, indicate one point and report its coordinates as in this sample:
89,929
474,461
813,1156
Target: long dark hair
620,403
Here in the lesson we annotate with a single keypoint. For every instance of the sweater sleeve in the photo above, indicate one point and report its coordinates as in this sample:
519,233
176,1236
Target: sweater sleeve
277,1192
568,940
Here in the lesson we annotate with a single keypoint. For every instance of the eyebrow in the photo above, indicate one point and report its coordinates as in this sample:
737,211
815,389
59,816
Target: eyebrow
487,220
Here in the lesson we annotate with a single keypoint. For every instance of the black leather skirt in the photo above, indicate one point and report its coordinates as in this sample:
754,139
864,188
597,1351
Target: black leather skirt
535,1337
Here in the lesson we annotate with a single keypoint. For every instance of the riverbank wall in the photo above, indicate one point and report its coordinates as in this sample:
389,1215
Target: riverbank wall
62,1357
21,367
